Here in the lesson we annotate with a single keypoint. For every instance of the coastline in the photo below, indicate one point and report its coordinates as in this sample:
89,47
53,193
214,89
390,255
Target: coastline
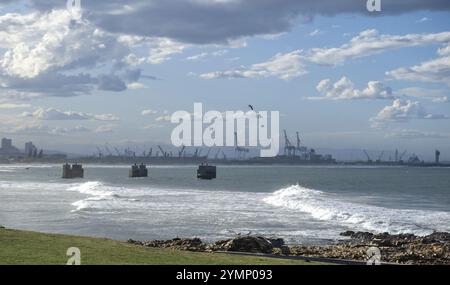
407,249
403,249
33,248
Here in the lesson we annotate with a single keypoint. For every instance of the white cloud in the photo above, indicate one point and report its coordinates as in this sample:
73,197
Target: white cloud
105,129
284,66
197,56
52,114
424,19
403,111
42,42
41,49
14,106
316,32
435,70
344,89
161,50
435,95
149,112
370,42
409,134
204,55
136,86
165,118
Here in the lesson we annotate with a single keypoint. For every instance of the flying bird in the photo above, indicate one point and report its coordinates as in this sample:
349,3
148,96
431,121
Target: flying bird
251,107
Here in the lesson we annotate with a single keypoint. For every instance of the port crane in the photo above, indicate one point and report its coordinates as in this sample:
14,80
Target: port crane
207,154
402,156
380,157
289,149
240,152
181,152
108,150
117,151
99,151
369,159
195,155
162,151
216,157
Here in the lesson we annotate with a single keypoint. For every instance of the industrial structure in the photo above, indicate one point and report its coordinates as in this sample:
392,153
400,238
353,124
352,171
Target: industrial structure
206,172
72,171
138,171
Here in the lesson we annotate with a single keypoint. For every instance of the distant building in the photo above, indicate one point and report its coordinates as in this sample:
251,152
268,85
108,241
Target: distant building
6,143
8,149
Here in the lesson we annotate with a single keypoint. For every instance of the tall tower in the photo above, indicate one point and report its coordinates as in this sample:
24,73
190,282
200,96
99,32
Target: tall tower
438,154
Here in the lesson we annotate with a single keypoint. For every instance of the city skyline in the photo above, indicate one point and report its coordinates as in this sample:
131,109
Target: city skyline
341,76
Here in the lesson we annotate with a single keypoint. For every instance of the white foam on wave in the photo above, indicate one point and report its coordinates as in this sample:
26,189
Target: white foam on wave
332,209
101,196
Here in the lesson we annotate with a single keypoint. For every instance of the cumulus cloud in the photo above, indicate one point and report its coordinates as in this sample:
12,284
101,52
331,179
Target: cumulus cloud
284,66
344,89
403,111
52,114
41,42
39,49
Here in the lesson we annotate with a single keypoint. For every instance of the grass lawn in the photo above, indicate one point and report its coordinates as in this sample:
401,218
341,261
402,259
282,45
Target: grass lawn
31,248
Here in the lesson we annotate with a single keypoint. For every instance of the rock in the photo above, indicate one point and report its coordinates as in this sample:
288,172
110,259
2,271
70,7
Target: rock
194,244
277,242
436,237
135,242
285,250
347,234
244,244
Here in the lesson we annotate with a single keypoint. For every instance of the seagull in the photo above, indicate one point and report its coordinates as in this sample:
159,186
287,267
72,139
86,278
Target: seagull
251,107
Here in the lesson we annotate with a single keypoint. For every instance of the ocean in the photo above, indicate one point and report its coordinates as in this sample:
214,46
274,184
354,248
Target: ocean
302,204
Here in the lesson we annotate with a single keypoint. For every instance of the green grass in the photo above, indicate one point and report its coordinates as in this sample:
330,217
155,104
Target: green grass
31,248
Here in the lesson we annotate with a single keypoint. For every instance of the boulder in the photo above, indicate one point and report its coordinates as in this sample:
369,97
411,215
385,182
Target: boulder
244,244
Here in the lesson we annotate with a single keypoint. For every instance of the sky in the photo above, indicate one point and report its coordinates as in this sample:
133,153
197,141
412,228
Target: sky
345,78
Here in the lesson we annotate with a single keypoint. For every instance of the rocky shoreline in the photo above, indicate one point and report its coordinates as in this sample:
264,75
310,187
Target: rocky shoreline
433,249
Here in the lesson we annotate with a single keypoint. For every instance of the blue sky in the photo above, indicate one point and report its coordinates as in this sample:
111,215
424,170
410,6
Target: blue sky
403,54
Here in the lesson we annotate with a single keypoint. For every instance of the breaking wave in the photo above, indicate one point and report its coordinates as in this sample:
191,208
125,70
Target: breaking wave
357,216
101,195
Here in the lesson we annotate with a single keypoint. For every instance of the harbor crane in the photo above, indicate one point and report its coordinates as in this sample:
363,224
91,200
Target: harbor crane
298,141
240,152
99,151
108,150
289,149
207,154
162,151
369,159
380,157
181,152
195,155
216,157
402,156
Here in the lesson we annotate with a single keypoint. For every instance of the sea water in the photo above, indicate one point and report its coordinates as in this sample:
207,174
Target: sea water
303,204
